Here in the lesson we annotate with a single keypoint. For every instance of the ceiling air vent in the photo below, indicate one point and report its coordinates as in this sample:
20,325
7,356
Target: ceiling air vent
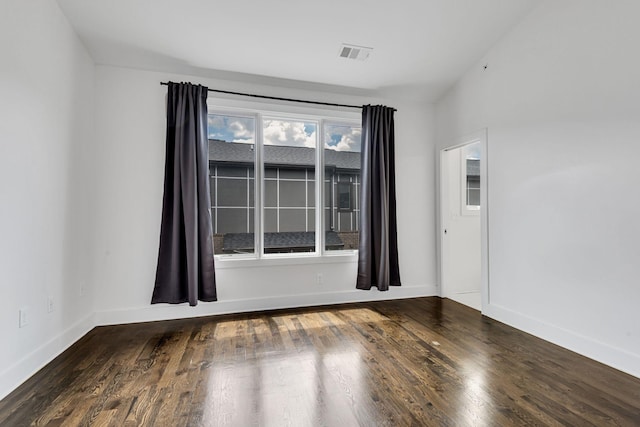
359,53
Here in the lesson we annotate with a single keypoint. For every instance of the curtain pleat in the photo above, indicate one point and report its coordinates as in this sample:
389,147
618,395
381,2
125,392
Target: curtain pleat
378,246
185,271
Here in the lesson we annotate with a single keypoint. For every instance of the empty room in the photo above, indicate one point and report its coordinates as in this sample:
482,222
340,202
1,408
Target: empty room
339,213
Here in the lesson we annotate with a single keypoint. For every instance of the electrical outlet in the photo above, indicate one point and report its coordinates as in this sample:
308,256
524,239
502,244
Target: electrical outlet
319,279
23,317
50,305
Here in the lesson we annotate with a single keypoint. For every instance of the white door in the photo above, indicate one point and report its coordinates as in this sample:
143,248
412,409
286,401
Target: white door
461,275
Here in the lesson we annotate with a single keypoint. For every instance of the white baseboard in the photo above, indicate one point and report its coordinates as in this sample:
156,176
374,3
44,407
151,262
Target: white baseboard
22,370
157,312
615,357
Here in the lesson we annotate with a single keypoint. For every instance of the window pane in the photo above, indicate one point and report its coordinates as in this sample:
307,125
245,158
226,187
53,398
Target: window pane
231,171
342,189
271,193
293,173
344,196
233,220
270,172
473,167
233,192
289,147
328,202
473,197
293,220
231,164
311,216
270,220
311,194
293,194
473,181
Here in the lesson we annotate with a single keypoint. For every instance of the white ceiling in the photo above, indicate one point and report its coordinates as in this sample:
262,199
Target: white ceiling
418,45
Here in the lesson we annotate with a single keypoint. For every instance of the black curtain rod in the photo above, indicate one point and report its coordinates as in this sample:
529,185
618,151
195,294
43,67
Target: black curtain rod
303,101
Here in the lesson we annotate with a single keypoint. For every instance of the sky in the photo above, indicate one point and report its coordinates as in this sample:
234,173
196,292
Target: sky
281,132
472,151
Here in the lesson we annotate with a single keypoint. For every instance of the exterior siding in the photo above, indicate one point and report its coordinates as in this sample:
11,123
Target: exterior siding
289,198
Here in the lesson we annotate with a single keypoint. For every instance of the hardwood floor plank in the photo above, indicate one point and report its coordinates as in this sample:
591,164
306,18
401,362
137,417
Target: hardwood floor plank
415,362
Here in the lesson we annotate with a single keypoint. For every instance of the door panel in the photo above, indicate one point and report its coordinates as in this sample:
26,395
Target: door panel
461,242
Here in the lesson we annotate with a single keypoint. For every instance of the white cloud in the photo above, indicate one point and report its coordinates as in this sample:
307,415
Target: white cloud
240,131
232,129
277,132
349,138
216,121
282,132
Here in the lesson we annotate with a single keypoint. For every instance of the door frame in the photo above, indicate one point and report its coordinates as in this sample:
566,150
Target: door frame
480,136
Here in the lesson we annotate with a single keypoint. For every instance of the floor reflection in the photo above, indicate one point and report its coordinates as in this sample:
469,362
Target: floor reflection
418,362
282,375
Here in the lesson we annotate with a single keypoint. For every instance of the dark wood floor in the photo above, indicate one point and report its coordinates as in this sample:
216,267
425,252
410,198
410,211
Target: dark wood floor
412,362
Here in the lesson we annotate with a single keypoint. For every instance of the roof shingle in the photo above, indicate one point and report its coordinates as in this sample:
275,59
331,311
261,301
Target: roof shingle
276,155
274,242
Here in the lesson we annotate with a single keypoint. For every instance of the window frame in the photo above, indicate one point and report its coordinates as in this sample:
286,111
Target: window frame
349,187
261,111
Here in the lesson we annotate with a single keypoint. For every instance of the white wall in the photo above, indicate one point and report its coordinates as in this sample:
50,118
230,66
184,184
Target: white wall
81,199
46,119
129,166
561,99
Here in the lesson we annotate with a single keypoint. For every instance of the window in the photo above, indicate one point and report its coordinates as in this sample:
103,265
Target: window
231,170
473,182
345,202
272,162
289,153
470,167
342,185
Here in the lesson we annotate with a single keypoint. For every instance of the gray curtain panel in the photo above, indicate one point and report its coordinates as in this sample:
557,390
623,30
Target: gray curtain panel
378,248
185,270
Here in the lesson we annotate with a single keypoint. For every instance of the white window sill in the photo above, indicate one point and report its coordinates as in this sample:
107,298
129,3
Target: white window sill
276,260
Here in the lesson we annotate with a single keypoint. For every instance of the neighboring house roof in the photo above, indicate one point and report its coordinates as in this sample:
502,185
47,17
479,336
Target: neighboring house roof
222,151
242,242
